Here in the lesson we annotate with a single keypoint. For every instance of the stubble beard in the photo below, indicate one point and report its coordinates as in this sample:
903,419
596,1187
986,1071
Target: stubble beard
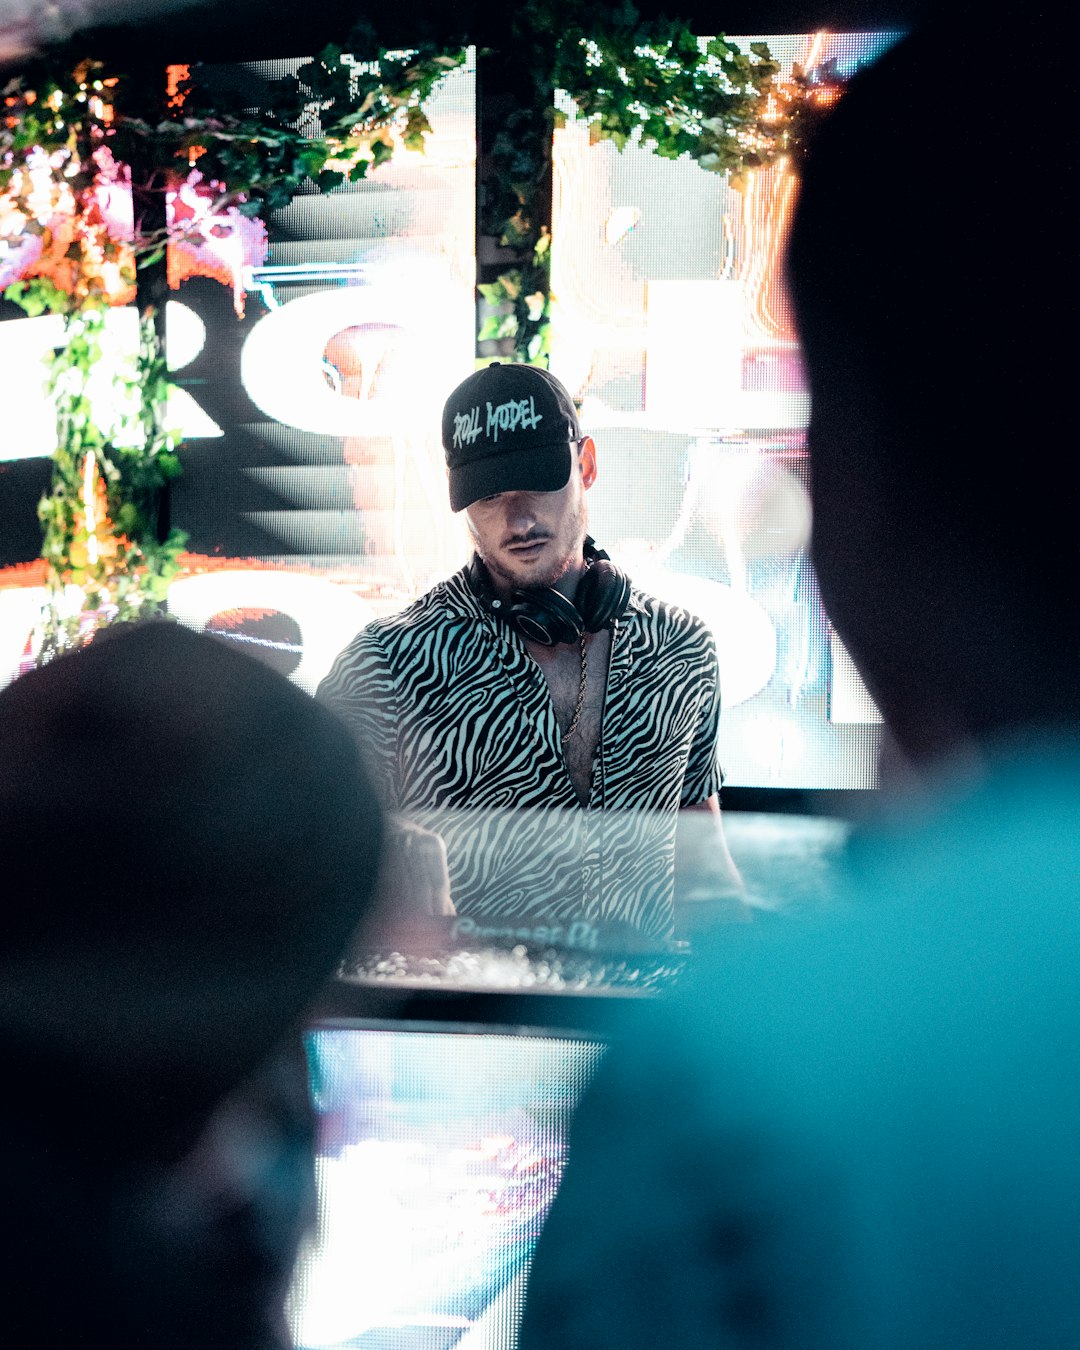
573,531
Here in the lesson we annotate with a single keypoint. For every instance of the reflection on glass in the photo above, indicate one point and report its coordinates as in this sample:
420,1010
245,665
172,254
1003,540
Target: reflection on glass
591,880
789,865
438,1157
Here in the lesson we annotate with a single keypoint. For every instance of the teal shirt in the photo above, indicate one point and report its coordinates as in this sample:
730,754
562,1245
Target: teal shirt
858,1131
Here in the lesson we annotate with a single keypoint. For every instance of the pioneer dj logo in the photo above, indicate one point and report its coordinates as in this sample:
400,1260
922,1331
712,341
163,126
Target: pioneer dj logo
581,935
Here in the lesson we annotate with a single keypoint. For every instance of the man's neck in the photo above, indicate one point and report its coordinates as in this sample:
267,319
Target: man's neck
570,580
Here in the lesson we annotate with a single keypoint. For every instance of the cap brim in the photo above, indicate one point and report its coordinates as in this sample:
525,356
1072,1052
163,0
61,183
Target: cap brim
545,469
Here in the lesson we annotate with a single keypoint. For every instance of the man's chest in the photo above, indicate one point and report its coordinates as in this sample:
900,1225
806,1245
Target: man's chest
489,724
576,677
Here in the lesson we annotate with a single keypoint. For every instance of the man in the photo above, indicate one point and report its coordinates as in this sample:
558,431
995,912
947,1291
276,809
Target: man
863,1132
187,843
548,720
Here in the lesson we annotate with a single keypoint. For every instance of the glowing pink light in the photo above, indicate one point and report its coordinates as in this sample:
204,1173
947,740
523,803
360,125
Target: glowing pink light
224,242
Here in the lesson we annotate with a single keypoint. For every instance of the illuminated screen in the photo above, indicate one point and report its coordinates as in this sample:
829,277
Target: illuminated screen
320,446
673,327
438,1157
313,356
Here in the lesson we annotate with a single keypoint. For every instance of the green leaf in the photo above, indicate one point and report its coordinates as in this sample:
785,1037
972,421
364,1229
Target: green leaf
510,284
38,296
278,195
311,159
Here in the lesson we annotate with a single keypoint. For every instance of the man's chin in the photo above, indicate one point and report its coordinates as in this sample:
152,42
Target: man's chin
532,575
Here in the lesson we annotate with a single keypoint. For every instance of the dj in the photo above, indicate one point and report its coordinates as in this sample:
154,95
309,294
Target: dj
548,720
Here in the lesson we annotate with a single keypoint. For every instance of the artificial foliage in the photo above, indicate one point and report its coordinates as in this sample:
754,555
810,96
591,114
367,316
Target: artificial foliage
75,135
514,207
70,127
634,81
101,542
74,132
674,93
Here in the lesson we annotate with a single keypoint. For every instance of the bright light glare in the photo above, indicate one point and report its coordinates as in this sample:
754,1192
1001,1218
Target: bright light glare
744,633
328,616
27,344
619,224
282,361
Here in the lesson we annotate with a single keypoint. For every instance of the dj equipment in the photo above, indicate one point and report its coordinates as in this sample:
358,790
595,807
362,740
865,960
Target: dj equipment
545,615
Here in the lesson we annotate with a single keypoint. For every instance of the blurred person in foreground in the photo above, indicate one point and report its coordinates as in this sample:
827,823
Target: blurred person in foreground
187,843
27,27
861,1132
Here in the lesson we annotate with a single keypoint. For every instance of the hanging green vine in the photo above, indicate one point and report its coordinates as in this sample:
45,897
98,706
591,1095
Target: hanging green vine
72,128
70,132
66,130
652,83
674,93
100,515
513,209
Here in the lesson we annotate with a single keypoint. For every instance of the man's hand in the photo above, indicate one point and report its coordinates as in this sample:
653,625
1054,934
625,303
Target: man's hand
415,879
708,887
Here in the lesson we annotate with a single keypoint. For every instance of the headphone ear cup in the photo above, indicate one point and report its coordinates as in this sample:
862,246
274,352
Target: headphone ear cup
546,617
603,595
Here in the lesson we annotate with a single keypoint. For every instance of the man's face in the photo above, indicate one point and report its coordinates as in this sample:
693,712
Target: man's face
533,539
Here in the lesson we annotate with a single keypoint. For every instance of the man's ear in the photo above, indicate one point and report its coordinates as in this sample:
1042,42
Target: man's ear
587,461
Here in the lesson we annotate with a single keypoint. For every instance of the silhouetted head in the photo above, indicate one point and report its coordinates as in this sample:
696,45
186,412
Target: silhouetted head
187,843
927,264
188,840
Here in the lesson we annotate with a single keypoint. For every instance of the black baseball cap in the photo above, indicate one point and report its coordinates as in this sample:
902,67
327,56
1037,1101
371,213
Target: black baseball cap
508,428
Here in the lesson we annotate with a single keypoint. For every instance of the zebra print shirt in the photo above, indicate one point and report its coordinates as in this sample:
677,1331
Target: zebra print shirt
457,725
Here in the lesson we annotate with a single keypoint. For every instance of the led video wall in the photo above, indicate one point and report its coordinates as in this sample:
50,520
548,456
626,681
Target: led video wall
438,1157
320,446
312,357
673,326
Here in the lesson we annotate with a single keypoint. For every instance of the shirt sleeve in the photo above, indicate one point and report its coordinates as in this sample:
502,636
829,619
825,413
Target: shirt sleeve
360,688
703,775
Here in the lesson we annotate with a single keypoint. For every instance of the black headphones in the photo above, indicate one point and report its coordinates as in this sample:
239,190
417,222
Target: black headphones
544,615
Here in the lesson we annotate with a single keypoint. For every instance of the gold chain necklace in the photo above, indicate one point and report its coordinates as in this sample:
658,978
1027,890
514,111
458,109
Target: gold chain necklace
581,690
